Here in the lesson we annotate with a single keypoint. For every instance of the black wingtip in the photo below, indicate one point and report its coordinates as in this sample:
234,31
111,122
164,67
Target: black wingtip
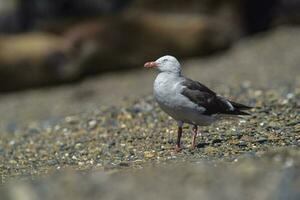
240,106
239,112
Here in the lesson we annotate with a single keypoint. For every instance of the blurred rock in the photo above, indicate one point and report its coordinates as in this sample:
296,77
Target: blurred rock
74,39
19,16
288,12
180,6
32,59
254,15
35,59
142,36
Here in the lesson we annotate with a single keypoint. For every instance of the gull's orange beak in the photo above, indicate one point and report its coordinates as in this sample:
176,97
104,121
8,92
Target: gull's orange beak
150,65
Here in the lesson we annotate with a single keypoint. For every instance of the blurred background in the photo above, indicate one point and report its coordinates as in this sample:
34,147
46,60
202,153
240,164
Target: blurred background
47,42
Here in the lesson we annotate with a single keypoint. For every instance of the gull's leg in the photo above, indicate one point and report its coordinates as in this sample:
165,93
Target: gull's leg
179,134
195,132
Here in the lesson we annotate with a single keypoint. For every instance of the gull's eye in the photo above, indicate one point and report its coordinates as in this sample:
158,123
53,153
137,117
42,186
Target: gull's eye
164,60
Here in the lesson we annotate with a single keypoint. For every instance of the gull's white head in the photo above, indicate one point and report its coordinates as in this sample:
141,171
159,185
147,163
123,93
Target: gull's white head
165,64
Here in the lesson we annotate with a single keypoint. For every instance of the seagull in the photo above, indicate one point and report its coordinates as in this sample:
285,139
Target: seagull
188,101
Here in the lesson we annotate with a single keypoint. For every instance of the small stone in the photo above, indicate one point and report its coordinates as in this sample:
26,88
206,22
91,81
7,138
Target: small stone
138,161
242,143
78,145
149,154
284,102
92,124
258,93
290,96
13,162
56,128
52,162
124,164
122,145
242,121
80,163
71,119
261,140
12,142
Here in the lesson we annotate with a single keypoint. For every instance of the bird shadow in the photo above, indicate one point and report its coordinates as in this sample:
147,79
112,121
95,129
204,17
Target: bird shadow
202,145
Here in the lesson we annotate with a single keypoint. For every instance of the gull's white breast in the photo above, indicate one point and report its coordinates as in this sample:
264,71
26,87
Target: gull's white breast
167,92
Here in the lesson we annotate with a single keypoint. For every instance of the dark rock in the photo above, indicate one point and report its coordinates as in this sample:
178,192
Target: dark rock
52,162
124,164
242,143
217,141
261,140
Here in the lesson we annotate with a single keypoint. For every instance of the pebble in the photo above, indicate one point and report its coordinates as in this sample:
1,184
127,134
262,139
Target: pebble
262,140
80,163
149,154
52,162
92,124
72,119
242,143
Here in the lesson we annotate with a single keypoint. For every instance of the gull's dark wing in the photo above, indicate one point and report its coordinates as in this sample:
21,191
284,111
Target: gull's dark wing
195,85
213,104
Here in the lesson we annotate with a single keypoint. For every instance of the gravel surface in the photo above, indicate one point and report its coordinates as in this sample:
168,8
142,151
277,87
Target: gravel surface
139,132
